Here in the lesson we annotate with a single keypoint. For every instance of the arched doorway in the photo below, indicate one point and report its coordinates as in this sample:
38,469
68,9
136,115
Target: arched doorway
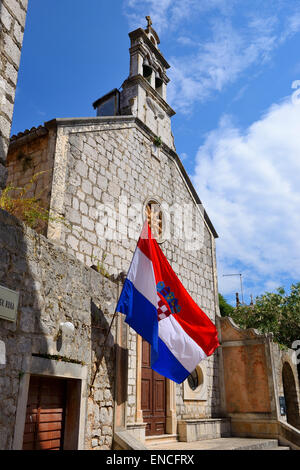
290,395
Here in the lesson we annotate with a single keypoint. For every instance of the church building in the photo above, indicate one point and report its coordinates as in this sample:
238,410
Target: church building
80,378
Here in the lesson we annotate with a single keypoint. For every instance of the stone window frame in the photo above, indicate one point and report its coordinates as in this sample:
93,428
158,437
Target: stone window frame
156,200
200,393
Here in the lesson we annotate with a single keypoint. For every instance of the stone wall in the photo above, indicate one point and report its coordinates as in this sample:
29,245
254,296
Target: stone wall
55,287
247,371
12,18
148,106
287,383
97,162
30,162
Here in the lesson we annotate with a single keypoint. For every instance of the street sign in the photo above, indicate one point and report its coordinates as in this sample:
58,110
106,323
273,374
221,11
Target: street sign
9,300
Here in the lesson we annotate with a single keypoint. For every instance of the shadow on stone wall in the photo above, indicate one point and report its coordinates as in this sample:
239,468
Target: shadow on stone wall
3,170
99,330
55,288
21,338
290,394
216,387
113,352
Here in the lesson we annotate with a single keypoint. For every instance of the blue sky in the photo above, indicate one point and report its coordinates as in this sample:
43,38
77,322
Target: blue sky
237,127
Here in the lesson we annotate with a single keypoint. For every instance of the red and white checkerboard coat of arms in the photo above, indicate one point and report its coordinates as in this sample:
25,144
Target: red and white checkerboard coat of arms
163,309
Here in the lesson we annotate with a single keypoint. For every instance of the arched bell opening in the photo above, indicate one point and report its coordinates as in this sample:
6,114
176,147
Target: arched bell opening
147,70
158,83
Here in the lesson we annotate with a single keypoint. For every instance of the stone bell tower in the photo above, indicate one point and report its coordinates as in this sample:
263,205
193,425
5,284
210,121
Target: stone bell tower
144,93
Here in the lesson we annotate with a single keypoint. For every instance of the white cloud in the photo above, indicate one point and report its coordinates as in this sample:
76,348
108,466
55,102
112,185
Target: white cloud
172,14
292,26
136,10
228,48
183,156
249,184
219,61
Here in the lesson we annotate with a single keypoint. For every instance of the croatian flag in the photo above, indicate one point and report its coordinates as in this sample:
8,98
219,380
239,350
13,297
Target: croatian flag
158,308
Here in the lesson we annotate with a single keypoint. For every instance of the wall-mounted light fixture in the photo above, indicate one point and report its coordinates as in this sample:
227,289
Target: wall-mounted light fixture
67,330
2,354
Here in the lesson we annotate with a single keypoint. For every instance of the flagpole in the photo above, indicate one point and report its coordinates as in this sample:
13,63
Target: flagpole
98,363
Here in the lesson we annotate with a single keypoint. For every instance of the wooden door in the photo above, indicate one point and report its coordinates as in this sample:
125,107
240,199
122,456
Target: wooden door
44,426
153,395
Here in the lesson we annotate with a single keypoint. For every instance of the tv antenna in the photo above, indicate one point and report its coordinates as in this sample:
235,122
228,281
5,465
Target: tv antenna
238,274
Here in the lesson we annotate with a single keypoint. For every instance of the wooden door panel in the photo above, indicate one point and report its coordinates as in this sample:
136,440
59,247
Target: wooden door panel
50,426
44,425
146,395
153,392
146,354
51,417
160,427
49,445
160,397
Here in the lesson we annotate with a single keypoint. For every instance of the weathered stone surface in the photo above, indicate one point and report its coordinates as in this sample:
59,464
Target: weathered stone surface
91,164
73,293
12,22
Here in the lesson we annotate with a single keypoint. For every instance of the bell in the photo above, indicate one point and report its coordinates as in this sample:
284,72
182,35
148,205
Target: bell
147,70
158,81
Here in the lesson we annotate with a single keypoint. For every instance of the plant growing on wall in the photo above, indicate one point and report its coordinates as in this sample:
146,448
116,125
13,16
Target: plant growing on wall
157,141
19,202
99,266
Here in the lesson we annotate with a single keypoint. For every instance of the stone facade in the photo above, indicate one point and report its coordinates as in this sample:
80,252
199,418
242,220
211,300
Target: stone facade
12,23
101,160
54,288
97,168
98,175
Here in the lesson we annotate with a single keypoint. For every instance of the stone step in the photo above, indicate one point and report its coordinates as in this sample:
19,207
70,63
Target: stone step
224,443
278,448
163,439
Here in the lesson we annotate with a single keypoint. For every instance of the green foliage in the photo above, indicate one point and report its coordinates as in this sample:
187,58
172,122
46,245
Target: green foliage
158,141
99,267
59,358
226,309
29,209
277,313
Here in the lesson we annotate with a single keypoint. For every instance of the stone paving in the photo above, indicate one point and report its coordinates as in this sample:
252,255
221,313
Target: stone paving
232,443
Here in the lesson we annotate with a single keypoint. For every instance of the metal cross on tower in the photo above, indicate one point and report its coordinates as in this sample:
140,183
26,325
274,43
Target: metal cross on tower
148,18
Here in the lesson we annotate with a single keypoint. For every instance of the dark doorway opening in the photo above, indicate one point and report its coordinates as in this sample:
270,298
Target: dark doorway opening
290,394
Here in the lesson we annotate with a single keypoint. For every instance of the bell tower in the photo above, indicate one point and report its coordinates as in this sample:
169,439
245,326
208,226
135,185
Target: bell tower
144,93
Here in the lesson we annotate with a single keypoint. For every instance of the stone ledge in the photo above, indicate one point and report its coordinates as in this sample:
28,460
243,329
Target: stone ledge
123,440
191,430
137,430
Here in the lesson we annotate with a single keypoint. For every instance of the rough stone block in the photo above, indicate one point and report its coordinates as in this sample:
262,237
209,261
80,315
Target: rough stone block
18,12
12,51
3,176
5,17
